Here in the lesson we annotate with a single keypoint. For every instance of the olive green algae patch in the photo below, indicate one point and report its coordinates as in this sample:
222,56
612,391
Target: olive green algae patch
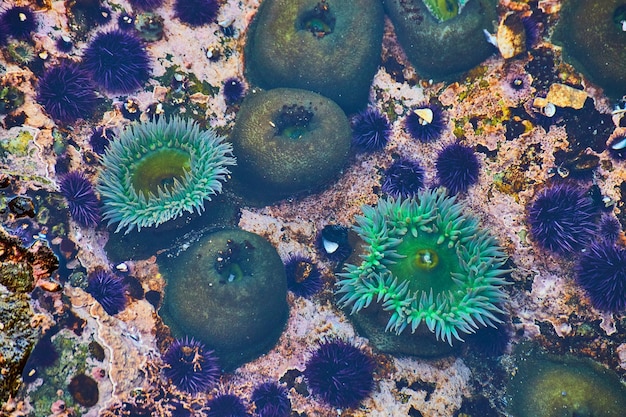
593,36
289,141
565,386
331,47
442,50
228,291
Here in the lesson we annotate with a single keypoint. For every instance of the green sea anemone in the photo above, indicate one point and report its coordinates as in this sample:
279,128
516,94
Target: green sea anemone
156,171
425,260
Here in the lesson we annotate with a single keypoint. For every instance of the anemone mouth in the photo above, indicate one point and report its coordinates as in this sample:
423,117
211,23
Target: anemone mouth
293,122
158,170
426,261
320,21
619,18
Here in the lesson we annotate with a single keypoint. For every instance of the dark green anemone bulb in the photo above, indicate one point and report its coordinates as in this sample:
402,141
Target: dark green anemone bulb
229,291
331,47
425,260
443,38
593,36
289,141
158,170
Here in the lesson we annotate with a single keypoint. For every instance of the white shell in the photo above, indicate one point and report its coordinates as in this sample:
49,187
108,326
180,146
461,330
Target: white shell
330,247
122,267
425,114
549,110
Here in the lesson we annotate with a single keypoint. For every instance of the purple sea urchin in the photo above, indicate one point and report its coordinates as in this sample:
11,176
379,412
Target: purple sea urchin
146,5
67,93
457,168
425,123
425,260
561,218
609,228
226,405
233,90
190,366
304,278
601,272
270,400
403,178
18,22
156,171
108,290
339,373
370,130
196,12
117,61
81,199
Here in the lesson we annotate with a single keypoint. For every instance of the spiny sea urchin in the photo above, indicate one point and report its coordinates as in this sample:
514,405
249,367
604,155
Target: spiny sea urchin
404,178
156,171
271,400
370,129
191,366
601,271
561,218
81,199
108,289
458,168
340,373
304,278
425,260
425,123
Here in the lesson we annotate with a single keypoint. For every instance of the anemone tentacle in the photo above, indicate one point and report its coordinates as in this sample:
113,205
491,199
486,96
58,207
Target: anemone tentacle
198,161
412,245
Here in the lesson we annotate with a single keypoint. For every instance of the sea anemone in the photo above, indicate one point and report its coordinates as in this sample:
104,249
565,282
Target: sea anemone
18,22
339,373
233,90
270,400
304,278
226,405
156,171
146,4
196,12
617,145
425,260
403,178
108,289
67,93
601,271
425,123
117,61
81,199
457,168
190,366
332,242
370,130
561,218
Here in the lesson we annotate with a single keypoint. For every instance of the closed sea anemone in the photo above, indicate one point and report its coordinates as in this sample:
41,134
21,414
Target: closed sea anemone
340,374
226,405
191,366
561,218
403,178
18,22
425,260
156,171
67,93
370,130
304,278
270,400
425,123
601,272
457,168
117,61
196,12
108,289
81,199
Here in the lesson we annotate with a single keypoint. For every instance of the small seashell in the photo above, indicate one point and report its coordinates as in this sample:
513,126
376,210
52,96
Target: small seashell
122,267
619,145
330,247
426,115
226,21
549,110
